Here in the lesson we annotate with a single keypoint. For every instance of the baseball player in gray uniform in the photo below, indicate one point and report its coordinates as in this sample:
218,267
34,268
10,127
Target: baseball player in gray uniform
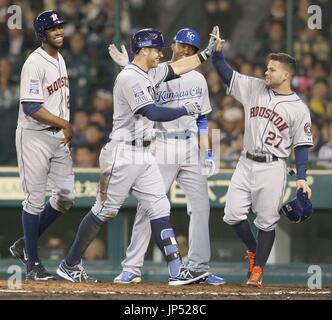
275,121
42,135
177,154
127,163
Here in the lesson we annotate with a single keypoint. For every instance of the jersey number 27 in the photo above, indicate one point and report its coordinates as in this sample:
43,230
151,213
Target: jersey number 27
273,140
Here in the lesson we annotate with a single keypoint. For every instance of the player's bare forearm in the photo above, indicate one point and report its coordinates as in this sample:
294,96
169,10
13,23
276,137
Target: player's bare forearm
203,141
46,117
186,64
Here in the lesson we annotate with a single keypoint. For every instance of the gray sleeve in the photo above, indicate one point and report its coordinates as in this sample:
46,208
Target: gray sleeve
31,84
135,91
244,88
302,128
159,74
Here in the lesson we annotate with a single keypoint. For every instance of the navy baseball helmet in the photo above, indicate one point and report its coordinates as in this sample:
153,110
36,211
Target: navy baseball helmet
47,20
299,209
188,36
147,38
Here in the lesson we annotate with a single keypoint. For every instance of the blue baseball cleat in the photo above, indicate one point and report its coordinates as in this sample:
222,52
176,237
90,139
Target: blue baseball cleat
213,280
127,277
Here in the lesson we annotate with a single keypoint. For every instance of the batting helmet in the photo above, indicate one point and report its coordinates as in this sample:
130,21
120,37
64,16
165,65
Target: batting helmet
298,209
147,38
46,20
188,36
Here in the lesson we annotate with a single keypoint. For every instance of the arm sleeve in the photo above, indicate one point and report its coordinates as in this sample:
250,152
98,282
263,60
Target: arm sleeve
171,75
224,70
31,87
302,127
160,73
202,125
31,107
154,113
245,89
301,159
135,92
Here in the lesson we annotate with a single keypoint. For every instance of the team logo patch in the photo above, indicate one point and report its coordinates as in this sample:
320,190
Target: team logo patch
307,129
34,87
139,93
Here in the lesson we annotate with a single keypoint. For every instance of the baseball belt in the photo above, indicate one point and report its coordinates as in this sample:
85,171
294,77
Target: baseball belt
262,158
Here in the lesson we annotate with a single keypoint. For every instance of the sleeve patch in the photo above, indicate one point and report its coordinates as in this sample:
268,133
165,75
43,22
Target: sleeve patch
34,87
139,94
307,129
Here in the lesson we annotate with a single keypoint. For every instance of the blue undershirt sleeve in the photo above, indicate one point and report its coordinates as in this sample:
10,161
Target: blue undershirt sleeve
202,125
30,107
224,70
154,113
301,160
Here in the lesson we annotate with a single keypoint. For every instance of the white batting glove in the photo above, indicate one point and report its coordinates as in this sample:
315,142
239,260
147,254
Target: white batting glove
209,164
193,108
119,57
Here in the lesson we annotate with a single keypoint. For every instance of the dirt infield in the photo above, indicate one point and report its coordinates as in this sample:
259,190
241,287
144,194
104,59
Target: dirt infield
54,290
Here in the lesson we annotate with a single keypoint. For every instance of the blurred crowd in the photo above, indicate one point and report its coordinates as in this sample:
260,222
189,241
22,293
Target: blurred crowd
90,29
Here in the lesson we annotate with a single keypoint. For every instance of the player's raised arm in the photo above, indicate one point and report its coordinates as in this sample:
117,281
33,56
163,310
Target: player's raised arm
190,63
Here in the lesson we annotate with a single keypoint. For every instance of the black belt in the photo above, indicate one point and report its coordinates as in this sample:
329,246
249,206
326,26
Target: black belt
139,143
263,158
53,129
174,135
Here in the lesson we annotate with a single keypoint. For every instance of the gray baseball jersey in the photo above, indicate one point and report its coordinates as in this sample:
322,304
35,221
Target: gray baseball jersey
274,123
42,158
134,89
126,167
178,159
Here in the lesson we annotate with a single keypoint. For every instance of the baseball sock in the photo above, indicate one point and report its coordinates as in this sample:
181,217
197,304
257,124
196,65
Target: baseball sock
87,231
47,217
164,237
243,230
30,228
265,242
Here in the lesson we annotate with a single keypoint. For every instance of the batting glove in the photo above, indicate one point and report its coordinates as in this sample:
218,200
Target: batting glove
119,57
193,108
209,164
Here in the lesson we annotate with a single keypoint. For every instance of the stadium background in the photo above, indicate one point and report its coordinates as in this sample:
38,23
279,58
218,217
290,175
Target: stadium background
253,29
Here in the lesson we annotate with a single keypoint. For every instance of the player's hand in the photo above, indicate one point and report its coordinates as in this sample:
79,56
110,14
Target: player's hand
302,184
219,41
119,57
68,133
209,164
193,108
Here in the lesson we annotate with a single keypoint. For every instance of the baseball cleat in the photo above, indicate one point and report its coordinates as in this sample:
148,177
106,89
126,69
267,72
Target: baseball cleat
127,277
74,273
251,257
187,276
256,277
17,250
213,280
37,272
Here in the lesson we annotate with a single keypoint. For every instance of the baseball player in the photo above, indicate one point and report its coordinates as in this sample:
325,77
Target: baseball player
177,140
42,135
127,163
275,121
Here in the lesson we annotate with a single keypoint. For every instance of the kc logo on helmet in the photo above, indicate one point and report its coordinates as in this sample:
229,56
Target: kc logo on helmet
190,35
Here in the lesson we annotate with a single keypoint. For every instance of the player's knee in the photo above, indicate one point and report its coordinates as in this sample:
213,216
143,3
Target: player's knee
231,217
107,214
266,224
65,199
156,209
